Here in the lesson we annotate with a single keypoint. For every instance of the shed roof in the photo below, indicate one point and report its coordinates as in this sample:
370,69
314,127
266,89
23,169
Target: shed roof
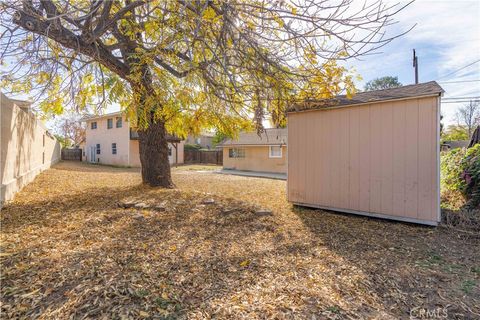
269,137
412,91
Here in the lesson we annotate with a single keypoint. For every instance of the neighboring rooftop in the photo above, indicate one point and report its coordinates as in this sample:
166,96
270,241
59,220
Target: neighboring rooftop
267,138
454,144
412,91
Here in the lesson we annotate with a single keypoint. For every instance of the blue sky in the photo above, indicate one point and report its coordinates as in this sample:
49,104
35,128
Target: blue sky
446,38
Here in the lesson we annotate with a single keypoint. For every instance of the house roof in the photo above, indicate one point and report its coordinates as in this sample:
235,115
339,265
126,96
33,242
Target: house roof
456,143
170,137
412,91
267,138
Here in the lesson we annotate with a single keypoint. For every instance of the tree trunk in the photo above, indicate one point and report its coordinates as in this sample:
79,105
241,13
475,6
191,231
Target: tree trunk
154,156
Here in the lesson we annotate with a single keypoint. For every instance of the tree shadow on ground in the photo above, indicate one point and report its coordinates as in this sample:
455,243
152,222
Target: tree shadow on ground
408,266
87,257
77,254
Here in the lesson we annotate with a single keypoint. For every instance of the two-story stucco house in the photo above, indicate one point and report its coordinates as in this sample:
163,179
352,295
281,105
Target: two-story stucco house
111,140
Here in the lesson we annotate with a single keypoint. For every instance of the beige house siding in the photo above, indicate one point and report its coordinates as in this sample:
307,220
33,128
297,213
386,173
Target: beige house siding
256,159
26,148
378,159
105,137
202,140
127,149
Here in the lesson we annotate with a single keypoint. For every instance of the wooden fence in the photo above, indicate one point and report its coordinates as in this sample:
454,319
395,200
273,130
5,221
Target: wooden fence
72,154
204,156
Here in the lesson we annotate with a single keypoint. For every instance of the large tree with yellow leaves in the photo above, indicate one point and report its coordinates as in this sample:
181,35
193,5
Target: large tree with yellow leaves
181,66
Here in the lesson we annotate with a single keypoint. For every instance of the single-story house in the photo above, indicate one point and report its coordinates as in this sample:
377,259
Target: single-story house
110,139
266,152
27,147
376,154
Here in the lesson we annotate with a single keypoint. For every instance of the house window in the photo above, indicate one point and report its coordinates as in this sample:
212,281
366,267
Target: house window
114,148
169,150
119,122
236,153
93,125
98,148
275,152
109,123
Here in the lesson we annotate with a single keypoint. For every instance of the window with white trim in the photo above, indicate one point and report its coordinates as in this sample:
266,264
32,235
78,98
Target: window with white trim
119,122
236,153
114,148
93,125
275,152
109,123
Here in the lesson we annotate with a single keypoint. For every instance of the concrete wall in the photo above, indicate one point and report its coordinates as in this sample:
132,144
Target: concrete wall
378,159
105,137
135,153
26,148
256,159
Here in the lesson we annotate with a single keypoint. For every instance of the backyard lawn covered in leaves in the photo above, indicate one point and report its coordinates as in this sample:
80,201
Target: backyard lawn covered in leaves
219,246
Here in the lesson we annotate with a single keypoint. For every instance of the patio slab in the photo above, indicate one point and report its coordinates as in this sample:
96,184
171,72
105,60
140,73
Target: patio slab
256,174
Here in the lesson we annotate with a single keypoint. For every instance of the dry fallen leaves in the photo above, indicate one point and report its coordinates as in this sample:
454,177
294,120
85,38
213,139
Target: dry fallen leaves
69,251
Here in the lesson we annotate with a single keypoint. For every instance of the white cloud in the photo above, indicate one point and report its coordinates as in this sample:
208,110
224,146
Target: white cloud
446,37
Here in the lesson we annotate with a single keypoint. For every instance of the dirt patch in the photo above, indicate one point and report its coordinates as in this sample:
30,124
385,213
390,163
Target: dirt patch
69,251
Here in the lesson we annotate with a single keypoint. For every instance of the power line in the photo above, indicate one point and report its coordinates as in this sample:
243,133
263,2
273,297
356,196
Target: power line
468,65
461,98
461,101
459,81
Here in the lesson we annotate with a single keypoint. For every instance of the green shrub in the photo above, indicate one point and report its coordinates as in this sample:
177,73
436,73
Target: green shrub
192,147
460,178
471,176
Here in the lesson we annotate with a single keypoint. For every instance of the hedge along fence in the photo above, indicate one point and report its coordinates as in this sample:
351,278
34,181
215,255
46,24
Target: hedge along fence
460,178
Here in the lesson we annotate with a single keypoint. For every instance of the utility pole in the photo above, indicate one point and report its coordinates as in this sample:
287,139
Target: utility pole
415,65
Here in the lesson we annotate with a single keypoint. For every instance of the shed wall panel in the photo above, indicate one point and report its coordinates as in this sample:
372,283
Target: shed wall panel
354,159
399,156
411,160
364,159
379,158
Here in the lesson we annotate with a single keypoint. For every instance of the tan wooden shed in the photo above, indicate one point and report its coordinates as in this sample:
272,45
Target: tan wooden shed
375,155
